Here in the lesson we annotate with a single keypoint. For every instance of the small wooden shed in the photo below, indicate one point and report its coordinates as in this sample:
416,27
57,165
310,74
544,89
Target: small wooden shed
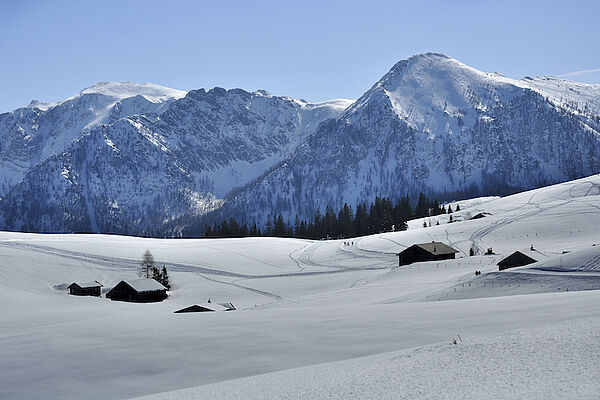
138,290
433,251
92,288
518,259
204,307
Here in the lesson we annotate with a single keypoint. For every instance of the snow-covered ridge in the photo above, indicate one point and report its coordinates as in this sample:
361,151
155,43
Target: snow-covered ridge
340,104
119,91
436,81
565,93
123,90
42,105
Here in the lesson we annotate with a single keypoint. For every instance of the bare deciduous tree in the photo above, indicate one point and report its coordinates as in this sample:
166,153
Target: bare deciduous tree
147,265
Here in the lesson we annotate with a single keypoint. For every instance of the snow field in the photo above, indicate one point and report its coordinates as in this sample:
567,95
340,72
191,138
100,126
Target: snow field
554,362
305,303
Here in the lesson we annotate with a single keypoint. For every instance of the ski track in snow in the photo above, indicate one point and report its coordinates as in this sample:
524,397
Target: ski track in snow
479,234
116,263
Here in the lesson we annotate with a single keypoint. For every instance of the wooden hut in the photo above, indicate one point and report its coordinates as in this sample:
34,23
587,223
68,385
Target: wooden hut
518,259
204,308
138,290
433,251
92,288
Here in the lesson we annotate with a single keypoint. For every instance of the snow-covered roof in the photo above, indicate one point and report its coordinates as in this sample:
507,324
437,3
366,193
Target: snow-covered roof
145,285
534,254
437,248
85,285
204,307
214,306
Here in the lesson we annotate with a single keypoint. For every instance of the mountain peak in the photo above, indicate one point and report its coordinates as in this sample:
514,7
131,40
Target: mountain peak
123,90
429,55
416,59
42,105
422,65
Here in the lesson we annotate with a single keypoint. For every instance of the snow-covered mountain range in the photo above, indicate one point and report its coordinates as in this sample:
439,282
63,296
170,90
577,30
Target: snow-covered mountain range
34,133
122,157
139,159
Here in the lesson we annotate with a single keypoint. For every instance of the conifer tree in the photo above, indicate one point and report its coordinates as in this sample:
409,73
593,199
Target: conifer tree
269,229
361,220
166,282
279,229
156,274
297,225
422,209
317,225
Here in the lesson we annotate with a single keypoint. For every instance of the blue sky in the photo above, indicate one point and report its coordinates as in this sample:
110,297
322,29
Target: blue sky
315,50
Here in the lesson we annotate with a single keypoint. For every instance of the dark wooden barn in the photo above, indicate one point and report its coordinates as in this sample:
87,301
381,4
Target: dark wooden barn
516,259
433,251
85,288
138,290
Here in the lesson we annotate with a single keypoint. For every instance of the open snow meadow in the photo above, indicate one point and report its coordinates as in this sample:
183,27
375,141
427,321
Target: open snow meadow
318,319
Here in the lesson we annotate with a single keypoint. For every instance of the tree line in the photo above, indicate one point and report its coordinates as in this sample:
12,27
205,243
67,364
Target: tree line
381,215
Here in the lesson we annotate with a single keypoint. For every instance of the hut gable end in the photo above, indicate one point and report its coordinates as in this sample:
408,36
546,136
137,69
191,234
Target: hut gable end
516,259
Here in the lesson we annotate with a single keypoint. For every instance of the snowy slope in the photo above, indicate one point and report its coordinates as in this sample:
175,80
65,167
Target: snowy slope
554,362
435,125
302,303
